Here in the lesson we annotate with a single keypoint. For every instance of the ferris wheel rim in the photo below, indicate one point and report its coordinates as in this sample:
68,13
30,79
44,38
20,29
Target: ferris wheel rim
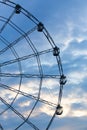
39,26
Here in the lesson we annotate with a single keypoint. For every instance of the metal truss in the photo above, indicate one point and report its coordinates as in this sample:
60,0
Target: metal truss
10,45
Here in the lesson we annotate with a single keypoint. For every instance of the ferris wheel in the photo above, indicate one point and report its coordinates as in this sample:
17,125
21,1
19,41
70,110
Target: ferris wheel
31,73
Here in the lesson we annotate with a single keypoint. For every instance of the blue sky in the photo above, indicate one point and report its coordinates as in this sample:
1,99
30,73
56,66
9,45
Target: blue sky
66,20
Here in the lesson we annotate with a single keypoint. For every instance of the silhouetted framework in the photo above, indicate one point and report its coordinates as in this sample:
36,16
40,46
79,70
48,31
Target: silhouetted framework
17,10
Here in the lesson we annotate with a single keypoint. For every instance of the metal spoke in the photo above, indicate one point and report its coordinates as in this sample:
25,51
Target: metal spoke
27,95
15,42
3,27
24,57
19,114
29,76
10,74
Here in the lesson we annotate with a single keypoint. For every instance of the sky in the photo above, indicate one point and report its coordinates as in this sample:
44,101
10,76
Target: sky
66,21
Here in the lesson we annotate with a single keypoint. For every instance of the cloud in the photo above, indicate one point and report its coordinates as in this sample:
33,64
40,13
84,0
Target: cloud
76,77
75,103
70,123
67,24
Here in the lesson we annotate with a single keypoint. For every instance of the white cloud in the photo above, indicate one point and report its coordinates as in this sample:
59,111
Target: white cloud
70,30
76,96
24,104
79,52
76,77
